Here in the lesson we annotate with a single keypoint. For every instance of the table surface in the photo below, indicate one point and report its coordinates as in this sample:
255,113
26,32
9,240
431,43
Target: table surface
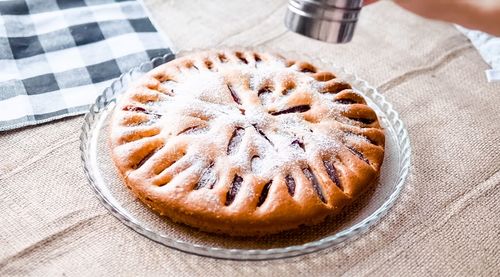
447,220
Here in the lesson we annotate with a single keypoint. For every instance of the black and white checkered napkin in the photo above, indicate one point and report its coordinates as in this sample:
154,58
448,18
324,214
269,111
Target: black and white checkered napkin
56,56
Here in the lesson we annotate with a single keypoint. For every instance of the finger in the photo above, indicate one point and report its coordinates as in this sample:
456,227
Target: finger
368,2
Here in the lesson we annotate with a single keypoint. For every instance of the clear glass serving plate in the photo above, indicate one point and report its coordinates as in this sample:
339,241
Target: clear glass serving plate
335,231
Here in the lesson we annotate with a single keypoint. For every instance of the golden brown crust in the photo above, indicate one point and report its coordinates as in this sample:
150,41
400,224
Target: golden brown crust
245,143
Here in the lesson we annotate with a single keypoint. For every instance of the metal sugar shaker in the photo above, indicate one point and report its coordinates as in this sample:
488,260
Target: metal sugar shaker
332,21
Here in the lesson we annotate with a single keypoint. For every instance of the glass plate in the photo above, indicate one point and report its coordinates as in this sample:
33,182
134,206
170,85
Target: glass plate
356,219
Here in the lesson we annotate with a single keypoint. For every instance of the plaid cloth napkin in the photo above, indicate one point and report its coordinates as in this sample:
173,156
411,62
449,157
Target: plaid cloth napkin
56,56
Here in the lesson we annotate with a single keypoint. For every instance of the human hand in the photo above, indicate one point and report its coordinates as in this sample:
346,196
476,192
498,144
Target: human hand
476,14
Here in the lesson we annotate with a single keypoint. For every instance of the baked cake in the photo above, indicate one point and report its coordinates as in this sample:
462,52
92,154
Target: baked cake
244,142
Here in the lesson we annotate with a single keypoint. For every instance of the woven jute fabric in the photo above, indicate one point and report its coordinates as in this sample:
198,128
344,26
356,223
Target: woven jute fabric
446,222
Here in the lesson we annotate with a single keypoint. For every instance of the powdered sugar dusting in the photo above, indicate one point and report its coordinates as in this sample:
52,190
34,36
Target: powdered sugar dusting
226,102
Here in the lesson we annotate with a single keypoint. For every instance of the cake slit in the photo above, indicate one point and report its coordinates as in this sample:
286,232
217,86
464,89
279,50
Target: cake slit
137,109
188,129
207,178
170,91
257,57
358,154
222,58
289,86
240,56
296,109
299,143
332,173
363,120
264,193
345,101
286,91
315,184
262,134
234,95
134,109
264,94
307,70
290,184
233,190
255,162
235,140
263,91
208,64
145,159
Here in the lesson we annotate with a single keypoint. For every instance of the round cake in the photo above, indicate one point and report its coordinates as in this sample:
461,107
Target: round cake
245,143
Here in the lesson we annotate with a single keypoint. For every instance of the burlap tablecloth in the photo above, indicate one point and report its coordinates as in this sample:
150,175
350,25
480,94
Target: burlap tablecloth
447,221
